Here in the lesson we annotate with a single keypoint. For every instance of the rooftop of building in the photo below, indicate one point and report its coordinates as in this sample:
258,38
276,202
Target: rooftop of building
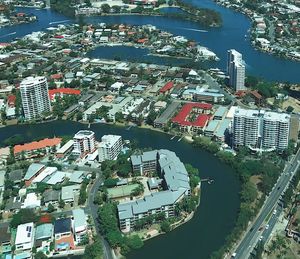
24,233
221,111
168,86
37,145
44,231
79,218
84,133
201,120
32,170
148,203
108,141
62,225
177,181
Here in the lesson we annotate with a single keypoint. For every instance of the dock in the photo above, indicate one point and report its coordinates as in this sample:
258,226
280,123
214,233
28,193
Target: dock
208,180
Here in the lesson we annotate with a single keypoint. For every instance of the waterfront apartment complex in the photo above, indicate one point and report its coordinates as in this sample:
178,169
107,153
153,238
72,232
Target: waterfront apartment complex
236,70
145,163
35,98
110,147
174,182
259,129
84,142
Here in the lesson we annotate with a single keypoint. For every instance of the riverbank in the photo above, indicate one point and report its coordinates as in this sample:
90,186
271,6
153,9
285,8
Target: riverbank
206,221
186,11
262,32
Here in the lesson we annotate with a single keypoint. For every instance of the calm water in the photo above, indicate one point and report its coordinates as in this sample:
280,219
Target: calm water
216,214
219,40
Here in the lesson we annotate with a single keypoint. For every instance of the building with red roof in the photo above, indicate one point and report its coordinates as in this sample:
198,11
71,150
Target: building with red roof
56,76
33,149
63,91
193,117
142,41
166,88
11,101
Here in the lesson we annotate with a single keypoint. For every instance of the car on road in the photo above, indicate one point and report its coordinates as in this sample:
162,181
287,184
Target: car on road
267,226
274,212
260,238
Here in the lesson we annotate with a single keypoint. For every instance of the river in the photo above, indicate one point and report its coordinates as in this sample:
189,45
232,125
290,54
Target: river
217,212
219,40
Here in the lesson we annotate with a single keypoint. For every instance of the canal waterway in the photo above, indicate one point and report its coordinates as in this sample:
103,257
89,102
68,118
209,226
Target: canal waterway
230,35
217,212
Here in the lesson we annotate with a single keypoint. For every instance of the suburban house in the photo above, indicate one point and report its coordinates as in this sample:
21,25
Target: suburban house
33,171
51,196
25,237
63,234
43,236
79,224
68,192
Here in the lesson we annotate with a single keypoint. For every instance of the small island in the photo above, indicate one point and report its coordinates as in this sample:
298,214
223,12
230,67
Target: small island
145,193
182,9
9,16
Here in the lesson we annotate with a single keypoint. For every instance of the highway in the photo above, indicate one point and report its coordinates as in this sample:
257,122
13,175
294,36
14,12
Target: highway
270,206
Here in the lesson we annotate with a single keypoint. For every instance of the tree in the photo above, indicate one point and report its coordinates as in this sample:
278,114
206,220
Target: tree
248,193
94,250
105,8
82,194
40,255
61,204
151,117
22,217
116,8
165,226
79,116
50,208
115,238
119,117
134,242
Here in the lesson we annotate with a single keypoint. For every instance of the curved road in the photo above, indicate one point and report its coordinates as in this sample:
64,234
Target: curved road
92,209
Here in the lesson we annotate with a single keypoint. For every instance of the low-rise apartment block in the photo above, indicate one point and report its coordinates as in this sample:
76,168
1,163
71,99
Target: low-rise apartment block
175,185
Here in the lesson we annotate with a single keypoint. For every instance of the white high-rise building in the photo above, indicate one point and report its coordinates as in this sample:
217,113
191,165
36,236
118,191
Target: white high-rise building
276,129
35,97
246,128
110,147
84,142
236,70
259,129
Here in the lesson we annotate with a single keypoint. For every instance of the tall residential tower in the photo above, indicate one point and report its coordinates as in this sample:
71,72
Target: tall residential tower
35,98
236,70
84,142
260,129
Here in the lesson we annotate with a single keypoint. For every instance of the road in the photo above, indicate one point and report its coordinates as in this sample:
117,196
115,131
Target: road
92,209
251,238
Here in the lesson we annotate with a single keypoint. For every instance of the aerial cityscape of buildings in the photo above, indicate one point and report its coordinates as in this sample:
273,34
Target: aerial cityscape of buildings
61,191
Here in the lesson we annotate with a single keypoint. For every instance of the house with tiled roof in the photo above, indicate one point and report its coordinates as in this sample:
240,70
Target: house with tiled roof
33,149
193,117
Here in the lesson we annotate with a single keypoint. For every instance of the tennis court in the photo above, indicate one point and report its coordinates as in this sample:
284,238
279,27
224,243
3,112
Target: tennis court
121,191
